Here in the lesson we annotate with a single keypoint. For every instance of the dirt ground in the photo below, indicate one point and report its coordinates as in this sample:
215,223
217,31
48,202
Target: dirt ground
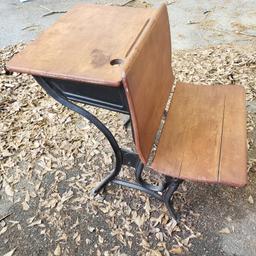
51,159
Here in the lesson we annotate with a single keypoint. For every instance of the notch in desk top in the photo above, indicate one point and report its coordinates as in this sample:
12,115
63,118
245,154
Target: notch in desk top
87,44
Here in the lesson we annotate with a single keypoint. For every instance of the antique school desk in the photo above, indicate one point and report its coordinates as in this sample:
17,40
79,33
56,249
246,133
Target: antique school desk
119,58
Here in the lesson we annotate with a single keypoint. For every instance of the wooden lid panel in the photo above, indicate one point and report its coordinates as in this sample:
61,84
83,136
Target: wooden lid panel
82,43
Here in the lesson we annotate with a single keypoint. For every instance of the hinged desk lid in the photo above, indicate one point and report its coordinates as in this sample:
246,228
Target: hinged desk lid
83,44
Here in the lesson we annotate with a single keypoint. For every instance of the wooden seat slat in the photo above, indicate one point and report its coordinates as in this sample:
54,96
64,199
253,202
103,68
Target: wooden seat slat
234,142
204,137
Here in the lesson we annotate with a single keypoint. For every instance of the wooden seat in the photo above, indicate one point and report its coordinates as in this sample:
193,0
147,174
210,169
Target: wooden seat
204,137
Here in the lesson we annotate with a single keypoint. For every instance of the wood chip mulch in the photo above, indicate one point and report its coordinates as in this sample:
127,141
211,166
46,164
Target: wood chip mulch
51,158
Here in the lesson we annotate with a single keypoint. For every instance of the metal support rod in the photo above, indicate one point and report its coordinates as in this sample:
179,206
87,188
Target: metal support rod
137,187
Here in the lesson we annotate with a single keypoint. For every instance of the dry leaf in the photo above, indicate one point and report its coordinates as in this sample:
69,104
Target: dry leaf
91,229
63,237
170,227
57,250
25,206
145,244
155,253
10,253
176,250
29,220
27,197
7,188
147,206
3,230
78,239
186,240
101,240
250,199
129,234
224,231
37,222
2,223
139,220
229,219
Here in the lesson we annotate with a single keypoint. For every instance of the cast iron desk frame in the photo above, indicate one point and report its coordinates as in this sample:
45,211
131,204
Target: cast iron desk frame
112,98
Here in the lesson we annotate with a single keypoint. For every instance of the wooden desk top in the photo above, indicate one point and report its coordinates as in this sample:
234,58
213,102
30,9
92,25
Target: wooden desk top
83,43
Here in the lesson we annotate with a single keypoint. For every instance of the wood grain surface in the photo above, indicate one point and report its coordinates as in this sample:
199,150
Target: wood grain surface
148,80
204,137
83,43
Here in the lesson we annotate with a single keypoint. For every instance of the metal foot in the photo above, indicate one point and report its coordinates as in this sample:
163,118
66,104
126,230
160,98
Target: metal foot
106,180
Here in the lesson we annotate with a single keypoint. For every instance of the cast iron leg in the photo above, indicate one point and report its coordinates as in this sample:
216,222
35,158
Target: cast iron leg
107,179
167,196
54,92
139,179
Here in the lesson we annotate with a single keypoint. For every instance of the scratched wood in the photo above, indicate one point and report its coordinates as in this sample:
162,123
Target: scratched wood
148,80
82,43
204,137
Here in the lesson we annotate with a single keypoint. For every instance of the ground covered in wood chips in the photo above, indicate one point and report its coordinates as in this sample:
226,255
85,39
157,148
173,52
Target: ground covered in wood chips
50,159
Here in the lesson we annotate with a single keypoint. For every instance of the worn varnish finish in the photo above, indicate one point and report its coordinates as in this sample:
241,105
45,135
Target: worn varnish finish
148,80
204,137
82,43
